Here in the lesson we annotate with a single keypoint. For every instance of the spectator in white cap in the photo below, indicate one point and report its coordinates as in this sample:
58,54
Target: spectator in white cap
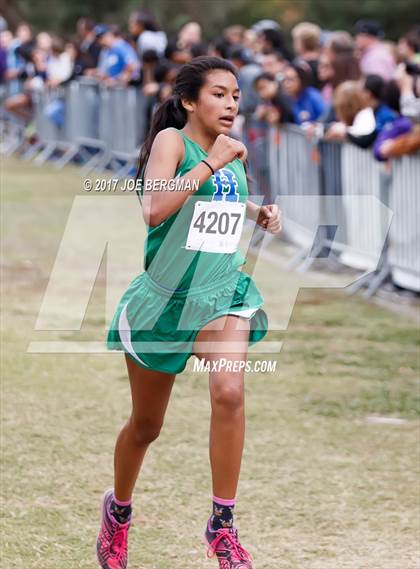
265,25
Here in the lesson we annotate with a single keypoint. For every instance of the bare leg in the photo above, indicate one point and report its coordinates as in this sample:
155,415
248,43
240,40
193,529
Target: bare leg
150,392
227,426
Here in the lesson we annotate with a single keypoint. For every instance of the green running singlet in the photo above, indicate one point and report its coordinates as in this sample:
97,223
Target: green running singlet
183,287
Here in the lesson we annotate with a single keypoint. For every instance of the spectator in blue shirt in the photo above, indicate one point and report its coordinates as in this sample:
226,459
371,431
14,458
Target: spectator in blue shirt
118,60
308,104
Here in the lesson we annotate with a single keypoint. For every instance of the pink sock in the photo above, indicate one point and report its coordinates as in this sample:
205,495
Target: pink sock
224,502
121,503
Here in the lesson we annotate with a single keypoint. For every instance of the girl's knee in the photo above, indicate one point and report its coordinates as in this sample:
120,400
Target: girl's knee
145,431
227,395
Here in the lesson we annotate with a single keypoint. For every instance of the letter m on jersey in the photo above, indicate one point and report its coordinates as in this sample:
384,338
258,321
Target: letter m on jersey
226,186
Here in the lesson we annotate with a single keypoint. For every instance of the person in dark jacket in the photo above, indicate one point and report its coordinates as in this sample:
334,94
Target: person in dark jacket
374,90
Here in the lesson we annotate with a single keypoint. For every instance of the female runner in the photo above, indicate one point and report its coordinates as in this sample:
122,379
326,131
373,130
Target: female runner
191,299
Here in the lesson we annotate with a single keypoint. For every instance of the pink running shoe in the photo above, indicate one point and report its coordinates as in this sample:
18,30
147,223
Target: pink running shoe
111,545
224,543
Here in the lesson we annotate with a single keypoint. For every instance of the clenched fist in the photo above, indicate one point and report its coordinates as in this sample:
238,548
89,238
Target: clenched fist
269,218
224,150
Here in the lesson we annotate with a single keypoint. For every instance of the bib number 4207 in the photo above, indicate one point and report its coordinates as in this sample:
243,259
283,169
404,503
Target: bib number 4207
222,223
216,227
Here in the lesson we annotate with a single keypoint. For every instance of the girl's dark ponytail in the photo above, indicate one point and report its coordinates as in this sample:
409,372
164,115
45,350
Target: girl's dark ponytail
169,113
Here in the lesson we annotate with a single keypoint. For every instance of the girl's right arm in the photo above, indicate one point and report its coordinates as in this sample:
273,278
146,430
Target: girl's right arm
166,154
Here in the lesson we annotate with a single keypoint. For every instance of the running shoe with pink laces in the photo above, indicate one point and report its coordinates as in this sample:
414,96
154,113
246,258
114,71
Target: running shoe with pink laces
111,545
224,543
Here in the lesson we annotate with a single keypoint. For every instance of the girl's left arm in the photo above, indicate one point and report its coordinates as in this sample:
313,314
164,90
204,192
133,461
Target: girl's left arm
267,216
252,210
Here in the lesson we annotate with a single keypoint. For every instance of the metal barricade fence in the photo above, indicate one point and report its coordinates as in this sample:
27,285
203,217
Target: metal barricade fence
255,138
82,111
361,175
330,181
83,108
342,171
109,119
404,238
104,125
12,129
58,125
296,160
51,133
119,125
81,120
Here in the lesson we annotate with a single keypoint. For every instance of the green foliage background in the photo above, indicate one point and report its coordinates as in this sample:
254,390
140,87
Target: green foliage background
61,15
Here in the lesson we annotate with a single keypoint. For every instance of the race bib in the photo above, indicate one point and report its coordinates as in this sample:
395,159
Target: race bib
216,226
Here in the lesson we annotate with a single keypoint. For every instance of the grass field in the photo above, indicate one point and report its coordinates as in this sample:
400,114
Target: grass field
322,485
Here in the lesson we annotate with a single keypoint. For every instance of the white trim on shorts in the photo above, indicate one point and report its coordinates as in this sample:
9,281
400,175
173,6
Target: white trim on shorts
125,335
246,313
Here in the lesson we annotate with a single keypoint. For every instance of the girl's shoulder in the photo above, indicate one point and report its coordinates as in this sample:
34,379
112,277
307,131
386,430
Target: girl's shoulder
170,134
170,140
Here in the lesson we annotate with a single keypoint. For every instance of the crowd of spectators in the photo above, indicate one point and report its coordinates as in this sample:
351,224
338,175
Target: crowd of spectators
357,87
